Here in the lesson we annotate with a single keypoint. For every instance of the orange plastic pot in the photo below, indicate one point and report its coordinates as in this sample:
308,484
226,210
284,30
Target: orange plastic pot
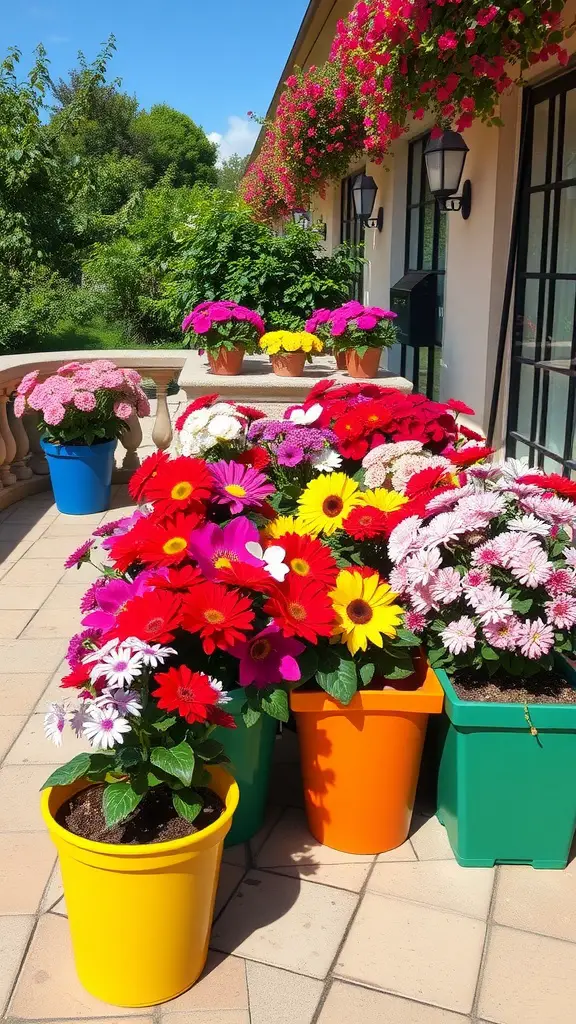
288,364
226,362
365,366
360,763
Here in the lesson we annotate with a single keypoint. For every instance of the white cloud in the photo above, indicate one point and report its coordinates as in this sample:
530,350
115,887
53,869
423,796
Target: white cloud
239,138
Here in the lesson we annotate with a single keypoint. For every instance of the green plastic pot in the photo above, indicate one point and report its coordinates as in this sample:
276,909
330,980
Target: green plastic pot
250,751
504,795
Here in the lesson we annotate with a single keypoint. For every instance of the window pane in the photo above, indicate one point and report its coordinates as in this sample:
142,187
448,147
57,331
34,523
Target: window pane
566,263
535,224
561,340
527,325
428,237
526,391
523,451
569,155
416,169
557,403
539,144
551,465
414,234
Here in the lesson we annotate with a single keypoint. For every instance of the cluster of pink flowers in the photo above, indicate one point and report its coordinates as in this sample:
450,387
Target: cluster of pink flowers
210,316
488,570
98,389
351,315
392,60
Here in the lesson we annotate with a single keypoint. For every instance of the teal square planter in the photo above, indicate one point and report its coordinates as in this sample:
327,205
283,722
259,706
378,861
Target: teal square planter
505,796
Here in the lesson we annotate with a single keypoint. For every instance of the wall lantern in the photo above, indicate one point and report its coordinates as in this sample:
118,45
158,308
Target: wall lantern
364,190
303,219
445,158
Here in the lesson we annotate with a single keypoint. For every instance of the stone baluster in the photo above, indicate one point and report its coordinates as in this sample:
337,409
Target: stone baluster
19,467
38,463
131,440
6,474
162,431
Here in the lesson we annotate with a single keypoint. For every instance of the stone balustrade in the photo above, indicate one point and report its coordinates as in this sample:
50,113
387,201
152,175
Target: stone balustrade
23,467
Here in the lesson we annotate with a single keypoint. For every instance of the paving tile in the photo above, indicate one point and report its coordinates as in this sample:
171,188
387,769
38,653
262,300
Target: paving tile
20,796
32,746
51,622
221,987
20,693
271,817
204,1017
537,901
20,656
14,935
103,1020
54,893
34,570
430,839
12,550
17,531
286,998
230,875
85,573
350,1004
48,985
528,979
53,690
285,922
438,883
292,850
24,597
13,622
65,597
404,852
53,547
409,949
73,526
10,726
26,861
237,855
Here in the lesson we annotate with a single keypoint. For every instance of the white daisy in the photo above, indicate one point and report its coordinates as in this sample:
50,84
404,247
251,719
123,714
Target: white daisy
326,461
529,524
306,416
54,722
273,558
104,727
127,702
152,654
120,667
101,652
224,697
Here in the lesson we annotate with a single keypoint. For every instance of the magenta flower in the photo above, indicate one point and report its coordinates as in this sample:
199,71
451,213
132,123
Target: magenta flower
239,486
110,601
269,657
367,322
289,454
77,649
88,601
562,611
80,555
216,547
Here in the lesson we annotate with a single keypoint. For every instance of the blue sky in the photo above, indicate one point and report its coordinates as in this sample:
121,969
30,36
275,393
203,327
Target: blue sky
213,59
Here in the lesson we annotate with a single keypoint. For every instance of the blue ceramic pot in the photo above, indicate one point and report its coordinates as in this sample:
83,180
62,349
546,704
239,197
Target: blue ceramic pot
81,475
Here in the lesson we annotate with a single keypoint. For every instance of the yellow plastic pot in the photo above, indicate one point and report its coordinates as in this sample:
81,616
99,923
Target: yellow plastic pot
140,916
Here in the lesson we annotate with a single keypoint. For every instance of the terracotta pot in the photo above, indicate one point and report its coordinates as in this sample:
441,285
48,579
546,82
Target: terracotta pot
340,358
365,366
288,364
226,362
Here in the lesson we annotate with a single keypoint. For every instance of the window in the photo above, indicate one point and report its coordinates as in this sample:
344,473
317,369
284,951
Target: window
541,414
352,230
425,250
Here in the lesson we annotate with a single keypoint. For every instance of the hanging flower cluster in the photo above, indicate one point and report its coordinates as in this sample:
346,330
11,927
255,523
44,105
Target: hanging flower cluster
392,60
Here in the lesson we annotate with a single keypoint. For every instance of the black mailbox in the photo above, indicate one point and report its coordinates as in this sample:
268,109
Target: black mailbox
414,300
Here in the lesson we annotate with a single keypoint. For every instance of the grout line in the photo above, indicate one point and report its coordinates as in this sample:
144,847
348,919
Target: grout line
485,946
18,974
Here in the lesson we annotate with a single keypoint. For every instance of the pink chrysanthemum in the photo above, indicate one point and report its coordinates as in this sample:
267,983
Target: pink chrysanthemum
459,636
562,611
503,635
570,557
490,603
414,621
531,567
422,598
239,486
404,538
422,566
561,581
535,638
447,586
80,555
398,578
476,578
444,528
85,401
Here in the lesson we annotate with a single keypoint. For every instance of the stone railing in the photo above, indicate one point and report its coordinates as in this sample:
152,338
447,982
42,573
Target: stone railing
23,467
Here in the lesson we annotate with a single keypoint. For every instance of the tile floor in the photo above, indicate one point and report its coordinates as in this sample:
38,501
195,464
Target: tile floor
302,934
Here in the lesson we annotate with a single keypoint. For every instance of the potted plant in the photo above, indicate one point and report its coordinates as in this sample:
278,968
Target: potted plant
290,350
359,331
225,331
488,571
139,821
84,408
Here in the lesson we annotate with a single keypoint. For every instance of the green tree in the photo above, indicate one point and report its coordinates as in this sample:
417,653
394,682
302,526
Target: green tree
231,171
167,139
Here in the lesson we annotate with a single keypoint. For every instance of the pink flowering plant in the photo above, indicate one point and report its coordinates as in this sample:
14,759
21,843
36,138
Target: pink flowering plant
354,326
488,572
82,403
212,326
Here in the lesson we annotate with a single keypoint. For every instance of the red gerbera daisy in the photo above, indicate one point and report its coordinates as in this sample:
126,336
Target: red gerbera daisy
468,456
178,580
426,480
247,577
180,484
349,427
154,617
470,435
220,615
189,693
166,542
553,482
366,523
140,479
300,607
374,415
459,407
251,413
125,549
77,678
256,457
308,557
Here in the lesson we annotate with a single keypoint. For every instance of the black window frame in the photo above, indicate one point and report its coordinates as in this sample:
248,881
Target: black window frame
352,231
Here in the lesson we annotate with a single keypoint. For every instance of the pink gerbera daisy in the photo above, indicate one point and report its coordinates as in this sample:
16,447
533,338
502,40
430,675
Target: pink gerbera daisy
239,486
503,635
447,586
535,638
562,611
459,636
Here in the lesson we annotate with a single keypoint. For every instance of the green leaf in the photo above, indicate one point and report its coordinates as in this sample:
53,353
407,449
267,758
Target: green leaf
342,682
366,673
406,638
129,756
118,801
187,803
400,671
165,723
69,772
250,716
489,654
275,704
308,665
209,750
523,607
177,761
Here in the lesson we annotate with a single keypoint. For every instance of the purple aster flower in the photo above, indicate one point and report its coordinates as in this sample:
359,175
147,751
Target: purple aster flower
289,454
88,601
77,647
107,529
239,486
79,556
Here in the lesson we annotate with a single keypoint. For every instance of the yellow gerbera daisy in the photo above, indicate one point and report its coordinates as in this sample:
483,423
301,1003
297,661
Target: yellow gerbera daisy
364,609
286,524
327,501
386,501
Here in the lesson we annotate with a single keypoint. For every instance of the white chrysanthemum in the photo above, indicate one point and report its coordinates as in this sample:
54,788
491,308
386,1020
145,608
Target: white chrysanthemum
197,420
306,416
326,461
222,408
511,469
529,524
224,428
